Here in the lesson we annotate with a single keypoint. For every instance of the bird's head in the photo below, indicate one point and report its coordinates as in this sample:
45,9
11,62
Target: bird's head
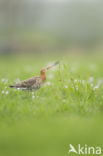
44,70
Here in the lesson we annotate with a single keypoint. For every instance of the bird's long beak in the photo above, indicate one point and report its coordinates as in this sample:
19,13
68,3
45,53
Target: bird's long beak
49,67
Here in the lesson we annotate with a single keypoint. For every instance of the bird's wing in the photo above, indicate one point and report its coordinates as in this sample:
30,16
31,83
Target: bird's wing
27,83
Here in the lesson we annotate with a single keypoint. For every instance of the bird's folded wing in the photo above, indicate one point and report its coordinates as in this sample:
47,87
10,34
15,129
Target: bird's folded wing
28,83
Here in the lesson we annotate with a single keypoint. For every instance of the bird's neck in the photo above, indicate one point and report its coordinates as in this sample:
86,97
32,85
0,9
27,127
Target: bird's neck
43,77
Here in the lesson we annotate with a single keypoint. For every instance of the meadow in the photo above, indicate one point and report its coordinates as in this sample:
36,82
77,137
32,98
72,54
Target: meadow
67,109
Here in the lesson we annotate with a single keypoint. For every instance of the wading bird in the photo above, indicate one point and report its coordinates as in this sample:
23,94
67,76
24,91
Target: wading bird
34,83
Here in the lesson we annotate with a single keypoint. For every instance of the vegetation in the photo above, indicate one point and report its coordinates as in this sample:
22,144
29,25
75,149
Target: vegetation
67,109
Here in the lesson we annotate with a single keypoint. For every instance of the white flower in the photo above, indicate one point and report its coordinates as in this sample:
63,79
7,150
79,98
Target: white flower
6,92
48,83
65,86
4,80
3,92
75,80
76,87
33,97
91,79
96,87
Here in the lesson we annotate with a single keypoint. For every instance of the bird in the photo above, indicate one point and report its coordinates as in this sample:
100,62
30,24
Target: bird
35,82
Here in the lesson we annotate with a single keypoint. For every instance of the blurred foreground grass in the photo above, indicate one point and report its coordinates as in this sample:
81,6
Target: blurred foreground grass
50,137
67,109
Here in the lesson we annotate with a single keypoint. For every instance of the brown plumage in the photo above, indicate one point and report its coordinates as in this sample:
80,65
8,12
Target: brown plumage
34,82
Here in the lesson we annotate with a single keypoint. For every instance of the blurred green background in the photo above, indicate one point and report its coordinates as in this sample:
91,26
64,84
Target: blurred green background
68,109
50,26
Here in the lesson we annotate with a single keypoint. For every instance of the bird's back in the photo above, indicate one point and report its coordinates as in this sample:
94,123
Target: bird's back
32,83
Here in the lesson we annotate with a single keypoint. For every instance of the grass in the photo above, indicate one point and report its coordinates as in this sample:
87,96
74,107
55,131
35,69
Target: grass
67,109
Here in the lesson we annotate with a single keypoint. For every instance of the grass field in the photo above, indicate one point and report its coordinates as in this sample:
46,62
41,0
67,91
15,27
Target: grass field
67,109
